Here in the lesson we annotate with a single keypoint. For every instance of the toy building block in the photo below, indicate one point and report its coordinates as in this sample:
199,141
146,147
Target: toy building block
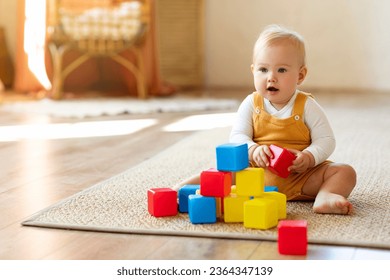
271,189
202,209
281,200
260,213
184,192
250,182
281,161
292,237
234,208
215,183
162,202
232,157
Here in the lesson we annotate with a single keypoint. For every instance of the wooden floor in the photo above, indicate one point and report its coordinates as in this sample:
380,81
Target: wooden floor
35,174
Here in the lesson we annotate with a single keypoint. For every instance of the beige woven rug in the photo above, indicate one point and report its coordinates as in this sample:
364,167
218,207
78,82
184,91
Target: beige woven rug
119,204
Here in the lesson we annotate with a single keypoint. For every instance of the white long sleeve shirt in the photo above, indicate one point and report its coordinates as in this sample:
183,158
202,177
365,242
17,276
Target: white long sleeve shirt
323,141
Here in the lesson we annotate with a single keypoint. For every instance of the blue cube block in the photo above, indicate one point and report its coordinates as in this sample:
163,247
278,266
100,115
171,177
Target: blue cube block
270,189
232,157
184,192
202,209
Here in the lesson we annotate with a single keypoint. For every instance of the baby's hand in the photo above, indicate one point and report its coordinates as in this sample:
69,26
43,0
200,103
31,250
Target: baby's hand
261,156
303,161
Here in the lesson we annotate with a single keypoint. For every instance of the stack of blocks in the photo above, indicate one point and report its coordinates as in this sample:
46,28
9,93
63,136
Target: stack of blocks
249,201
246,202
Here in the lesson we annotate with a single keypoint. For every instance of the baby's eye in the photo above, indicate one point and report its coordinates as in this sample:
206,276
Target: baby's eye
263,69
282,70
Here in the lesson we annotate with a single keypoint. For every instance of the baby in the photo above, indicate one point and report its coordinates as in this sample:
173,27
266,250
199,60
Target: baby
278,113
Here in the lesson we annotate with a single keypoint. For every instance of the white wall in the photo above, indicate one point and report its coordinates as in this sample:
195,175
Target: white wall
347,41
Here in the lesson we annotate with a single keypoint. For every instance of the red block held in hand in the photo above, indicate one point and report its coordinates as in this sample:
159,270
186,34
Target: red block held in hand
281,161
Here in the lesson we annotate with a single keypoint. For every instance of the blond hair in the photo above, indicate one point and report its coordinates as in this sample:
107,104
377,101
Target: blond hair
275,33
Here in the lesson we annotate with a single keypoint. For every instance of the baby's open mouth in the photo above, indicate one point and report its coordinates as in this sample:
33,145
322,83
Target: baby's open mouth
272,89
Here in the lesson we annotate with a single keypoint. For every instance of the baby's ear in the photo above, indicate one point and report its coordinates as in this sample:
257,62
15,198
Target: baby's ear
252,67
302,74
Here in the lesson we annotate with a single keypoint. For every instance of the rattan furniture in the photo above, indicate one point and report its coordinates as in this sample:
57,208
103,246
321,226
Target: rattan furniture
97,28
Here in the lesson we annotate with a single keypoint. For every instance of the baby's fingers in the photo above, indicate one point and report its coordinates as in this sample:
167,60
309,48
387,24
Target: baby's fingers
264,159
260,157
267,152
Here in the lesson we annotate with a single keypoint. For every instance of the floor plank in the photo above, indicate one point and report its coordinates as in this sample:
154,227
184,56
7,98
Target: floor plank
193,248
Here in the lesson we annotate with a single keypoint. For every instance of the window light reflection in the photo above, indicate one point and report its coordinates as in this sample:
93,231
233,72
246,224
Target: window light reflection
34,39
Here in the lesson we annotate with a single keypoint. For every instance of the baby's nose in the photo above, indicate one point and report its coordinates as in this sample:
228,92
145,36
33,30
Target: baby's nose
271,77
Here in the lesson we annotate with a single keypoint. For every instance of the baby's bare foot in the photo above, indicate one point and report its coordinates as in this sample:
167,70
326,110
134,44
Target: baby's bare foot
330,203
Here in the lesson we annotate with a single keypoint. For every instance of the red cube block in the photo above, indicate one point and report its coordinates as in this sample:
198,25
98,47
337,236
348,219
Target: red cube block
215,183
292,237
281,161
162,202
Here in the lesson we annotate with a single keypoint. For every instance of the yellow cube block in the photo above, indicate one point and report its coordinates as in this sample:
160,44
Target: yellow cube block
234,208
250,182
260,213
281,200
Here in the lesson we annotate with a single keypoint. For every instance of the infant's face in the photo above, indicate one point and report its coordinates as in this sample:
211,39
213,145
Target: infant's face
277,70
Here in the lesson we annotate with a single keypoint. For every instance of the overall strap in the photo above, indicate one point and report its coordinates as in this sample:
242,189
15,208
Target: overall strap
258,102
299,105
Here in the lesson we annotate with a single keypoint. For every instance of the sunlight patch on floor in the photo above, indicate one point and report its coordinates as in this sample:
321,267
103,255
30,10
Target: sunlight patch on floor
201,122
47,131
